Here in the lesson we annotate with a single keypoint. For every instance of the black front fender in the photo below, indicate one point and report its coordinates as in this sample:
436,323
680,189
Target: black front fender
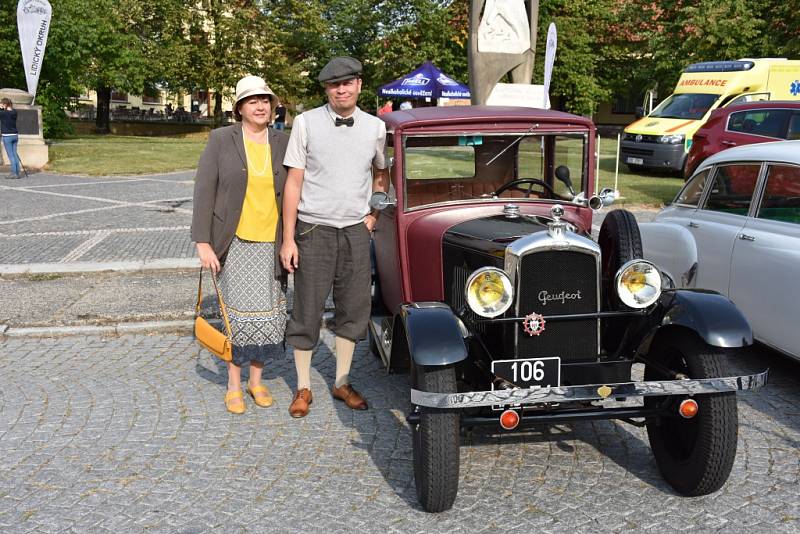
710,315
433,333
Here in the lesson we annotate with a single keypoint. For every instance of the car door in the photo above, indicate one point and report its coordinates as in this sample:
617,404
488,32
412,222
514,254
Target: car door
766,262
716,225
754,126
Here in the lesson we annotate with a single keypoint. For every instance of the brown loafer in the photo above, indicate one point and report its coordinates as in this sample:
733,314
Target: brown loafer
300,404
350,396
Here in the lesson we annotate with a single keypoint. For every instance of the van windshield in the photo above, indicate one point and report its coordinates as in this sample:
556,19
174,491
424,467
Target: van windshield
684,106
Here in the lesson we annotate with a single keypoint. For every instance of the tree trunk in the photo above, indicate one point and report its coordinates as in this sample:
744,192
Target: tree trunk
217,109
102,121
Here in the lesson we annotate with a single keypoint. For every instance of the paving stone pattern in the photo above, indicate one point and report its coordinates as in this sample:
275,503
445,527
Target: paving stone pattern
130,434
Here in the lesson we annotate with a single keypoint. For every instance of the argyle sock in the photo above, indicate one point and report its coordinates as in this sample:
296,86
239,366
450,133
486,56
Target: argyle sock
302,362
344,358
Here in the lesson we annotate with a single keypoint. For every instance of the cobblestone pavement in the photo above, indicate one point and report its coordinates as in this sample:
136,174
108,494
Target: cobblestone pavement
56,219
127,434
49,218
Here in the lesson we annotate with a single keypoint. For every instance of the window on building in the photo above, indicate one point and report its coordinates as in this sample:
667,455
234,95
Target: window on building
118,96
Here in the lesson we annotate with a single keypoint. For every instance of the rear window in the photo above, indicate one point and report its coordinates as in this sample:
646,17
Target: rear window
766,122
732,188
781,201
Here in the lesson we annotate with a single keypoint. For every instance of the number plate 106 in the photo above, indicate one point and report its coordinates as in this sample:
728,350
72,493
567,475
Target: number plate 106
542,372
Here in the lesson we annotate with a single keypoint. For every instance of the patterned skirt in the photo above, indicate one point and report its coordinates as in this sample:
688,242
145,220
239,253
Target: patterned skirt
255,301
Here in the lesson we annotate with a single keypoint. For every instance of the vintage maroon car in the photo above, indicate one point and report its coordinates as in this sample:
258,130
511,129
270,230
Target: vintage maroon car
492,293
743,124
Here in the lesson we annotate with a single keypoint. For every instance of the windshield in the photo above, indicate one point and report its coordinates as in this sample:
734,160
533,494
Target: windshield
684,106
466,167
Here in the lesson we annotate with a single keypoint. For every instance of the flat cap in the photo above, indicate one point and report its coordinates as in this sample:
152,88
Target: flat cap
340,68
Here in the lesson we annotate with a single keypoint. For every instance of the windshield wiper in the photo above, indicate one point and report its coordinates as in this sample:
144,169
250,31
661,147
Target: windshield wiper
514,142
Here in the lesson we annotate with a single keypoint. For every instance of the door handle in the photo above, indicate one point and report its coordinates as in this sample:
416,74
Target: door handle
693,224
728,143
745,237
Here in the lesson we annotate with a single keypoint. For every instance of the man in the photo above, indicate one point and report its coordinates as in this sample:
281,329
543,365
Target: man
280,116
336,160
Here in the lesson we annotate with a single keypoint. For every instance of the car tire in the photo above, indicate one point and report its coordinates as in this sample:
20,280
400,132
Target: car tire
620,242
436,442
695,456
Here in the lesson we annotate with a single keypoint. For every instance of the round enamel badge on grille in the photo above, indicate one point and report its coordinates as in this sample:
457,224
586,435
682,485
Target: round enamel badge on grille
533,324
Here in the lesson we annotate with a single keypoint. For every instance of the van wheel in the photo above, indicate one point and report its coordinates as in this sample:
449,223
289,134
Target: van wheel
695,456
436,441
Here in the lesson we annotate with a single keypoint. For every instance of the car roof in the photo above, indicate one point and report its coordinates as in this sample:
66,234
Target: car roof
459,114
761,104
779,151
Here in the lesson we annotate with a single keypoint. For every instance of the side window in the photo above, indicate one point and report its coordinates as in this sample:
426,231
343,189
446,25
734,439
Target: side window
732,188
781,200
693,190
794,126
766,122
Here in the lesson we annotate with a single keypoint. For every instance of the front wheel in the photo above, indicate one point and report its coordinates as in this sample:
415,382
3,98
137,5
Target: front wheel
695,456
436,442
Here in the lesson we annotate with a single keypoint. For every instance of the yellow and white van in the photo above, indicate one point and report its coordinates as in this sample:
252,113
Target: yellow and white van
662,139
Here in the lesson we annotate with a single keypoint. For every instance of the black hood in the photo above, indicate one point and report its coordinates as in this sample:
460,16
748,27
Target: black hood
492,234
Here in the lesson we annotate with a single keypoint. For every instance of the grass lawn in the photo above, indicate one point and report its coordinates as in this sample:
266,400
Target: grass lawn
102,155
643,189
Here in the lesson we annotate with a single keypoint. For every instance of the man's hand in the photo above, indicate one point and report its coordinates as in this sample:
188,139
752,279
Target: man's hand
370,221
289,255
208,259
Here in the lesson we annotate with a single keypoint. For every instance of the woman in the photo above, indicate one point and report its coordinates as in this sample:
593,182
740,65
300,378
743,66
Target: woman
235,223
10,134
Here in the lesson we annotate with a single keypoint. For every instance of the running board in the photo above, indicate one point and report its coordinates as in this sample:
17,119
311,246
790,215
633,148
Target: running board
595,392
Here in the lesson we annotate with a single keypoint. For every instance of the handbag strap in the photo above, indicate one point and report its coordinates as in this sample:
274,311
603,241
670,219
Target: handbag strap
222,309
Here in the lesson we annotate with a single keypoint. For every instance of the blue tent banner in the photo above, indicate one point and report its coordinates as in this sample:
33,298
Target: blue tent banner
425,82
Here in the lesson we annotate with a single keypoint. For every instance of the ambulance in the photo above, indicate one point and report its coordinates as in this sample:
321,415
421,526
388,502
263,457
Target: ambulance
662,139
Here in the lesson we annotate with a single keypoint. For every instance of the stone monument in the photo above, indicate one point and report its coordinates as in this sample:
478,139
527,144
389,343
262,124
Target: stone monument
31,148
502,39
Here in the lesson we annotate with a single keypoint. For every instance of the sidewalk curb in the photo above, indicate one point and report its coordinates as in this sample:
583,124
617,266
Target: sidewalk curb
97,267
185,326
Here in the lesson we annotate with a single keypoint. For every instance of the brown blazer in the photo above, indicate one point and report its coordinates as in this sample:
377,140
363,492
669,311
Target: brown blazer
220,185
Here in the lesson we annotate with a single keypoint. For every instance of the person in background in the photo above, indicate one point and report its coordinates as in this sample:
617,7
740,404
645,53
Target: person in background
10,134
327,224
405,104
280,117
386,108
236,223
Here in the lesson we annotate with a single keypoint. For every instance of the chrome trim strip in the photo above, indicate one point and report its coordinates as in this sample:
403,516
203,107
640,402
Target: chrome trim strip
505,397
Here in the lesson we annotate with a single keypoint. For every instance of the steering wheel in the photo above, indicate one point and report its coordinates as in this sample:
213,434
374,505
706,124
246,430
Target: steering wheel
531,181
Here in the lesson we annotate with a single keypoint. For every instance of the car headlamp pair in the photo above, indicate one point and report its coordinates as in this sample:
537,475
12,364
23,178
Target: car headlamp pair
489,291
674,139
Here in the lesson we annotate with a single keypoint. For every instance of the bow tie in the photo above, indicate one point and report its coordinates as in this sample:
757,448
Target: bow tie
347,122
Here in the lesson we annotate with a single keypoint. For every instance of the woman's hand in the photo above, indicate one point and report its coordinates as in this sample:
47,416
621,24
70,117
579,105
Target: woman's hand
208,259
289,255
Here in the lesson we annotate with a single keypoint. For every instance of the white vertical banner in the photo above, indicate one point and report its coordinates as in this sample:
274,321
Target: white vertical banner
549,59
33,23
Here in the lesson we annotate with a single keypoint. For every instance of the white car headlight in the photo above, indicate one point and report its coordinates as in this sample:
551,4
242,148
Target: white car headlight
638,283
672,139
489,292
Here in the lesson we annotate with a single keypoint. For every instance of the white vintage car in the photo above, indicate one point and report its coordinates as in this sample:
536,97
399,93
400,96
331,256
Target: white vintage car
735,228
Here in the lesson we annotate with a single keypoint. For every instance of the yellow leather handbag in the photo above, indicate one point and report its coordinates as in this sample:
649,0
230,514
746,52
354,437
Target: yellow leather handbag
209,337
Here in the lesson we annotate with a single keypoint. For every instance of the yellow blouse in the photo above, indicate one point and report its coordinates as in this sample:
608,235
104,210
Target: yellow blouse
259,218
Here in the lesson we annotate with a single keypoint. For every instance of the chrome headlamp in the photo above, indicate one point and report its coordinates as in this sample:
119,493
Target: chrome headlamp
489,292
638,283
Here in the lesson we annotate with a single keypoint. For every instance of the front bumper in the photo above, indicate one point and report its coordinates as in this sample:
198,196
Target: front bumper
652,155
594,392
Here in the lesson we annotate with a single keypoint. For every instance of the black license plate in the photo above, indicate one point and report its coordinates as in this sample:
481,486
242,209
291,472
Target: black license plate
532,372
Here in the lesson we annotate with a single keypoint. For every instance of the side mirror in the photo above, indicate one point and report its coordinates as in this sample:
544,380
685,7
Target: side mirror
639,112
562,174
380,201
605,198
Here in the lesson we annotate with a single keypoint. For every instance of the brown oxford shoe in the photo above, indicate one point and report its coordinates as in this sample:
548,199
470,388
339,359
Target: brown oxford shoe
301,402
350,396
